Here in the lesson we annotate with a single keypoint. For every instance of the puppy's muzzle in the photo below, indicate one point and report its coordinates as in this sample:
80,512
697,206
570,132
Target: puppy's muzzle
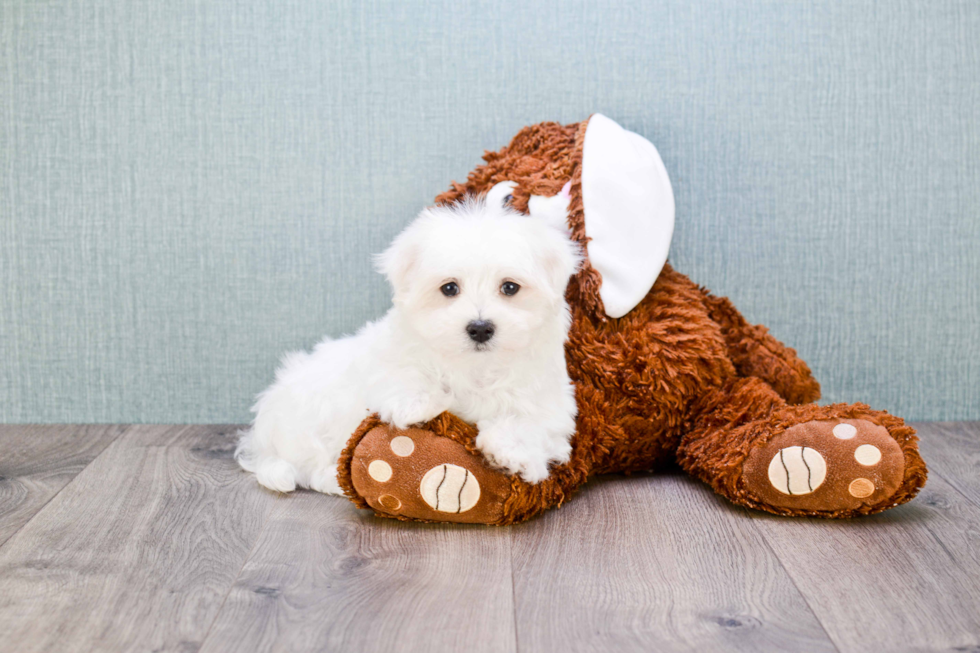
480,331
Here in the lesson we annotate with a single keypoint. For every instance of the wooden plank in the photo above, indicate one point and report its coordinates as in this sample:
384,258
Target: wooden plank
907,579
654,563
952,450
36,462
138,551
326,576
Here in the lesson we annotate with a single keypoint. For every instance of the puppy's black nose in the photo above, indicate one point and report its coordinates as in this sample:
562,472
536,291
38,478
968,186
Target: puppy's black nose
480,330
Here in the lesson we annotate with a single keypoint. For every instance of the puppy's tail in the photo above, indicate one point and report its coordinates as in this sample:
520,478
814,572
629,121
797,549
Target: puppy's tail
270,471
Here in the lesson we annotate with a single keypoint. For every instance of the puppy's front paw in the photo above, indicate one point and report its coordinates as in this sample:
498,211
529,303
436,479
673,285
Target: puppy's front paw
415,409
532,469
527,455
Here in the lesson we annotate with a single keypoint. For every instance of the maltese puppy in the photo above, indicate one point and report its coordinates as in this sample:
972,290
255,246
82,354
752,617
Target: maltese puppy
478,328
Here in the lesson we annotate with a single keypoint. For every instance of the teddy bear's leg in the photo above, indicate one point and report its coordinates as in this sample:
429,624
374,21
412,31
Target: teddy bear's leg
435,473
755,353
841,460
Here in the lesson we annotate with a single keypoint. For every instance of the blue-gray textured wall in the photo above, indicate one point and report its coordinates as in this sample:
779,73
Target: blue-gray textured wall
188,189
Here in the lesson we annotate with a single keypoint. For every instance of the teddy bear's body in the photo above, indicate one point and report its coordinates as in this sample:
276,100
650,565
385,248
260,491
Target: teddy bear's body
680,376
643,380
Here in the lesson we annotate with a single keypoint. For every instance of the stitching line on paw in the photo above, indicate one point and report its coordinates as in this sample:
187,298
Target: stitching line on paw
445,470
789,490
459,497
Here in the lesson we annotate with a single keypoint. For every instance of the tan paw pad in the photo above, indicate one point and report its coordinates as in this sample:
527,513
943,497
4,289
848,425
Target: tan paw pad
402,445
379,470
450,488
389,502
845,431
797,470
867,455
861,488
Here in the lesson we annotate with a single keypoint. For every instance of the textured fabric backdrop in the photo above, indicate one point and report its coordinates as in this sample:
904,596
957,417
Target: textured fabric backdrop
189,189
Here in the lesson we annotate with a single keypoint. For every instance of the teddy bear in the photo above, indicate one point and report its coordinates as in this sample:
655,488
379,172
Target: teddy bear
664,371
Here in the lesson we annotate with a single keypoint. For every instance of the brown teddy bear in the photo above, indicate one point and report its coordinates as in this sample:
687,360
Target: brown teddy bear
664,371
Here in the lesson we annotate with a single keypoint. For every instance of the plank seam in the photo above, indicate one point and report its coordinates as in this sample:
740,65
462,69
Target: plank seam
936,467
234,581
125,429
946,479
789,575
513,590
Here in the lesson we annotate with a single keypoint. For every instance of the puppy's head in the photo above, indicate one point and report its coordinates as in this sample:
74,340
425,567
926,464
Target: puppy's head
476,278
611,187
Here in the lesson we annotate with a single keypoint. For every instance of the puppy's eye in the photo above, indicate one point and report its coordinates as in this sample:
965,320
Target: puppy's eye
450,289
501,194
509,288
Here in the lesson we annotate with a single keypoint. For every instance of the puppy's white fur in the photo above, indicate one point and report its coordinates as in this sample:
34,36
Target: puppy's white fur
418,360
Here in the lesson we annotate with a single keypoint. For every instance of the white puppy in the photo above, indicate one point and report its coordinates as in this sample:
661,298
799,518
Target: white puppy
477,328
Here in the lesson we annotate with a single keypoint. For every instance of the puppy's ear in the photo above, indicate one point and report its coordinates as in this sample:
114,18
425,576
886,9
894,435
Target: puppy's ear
561,258
402,257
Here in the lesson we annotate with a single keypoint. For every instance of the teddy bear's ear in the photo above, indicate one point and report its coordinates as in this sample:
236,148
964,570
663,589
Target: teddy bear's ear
628,207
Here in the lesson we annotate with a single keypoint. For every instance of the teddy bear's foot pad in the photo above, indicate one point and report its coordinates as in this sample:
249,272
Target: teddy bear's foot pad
827,465
416,474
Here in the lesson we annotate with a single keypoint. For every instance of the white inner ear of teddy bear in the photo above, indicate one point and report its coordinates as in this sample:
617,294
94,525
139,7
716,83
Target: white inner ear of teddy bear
629,212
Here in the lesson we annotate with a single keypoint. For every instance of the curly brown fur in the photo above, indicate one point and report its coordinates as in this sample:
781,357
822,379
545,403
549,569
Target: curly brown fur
754,352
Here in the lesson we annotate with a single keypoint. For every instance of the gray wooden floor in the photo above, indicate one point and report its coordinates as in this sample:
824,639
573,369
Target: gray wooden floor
148,538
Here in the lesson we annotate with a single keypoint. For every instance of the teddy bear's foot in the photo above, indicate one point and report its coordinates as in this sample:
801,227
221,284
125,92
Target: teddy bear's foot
414,474
827,466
